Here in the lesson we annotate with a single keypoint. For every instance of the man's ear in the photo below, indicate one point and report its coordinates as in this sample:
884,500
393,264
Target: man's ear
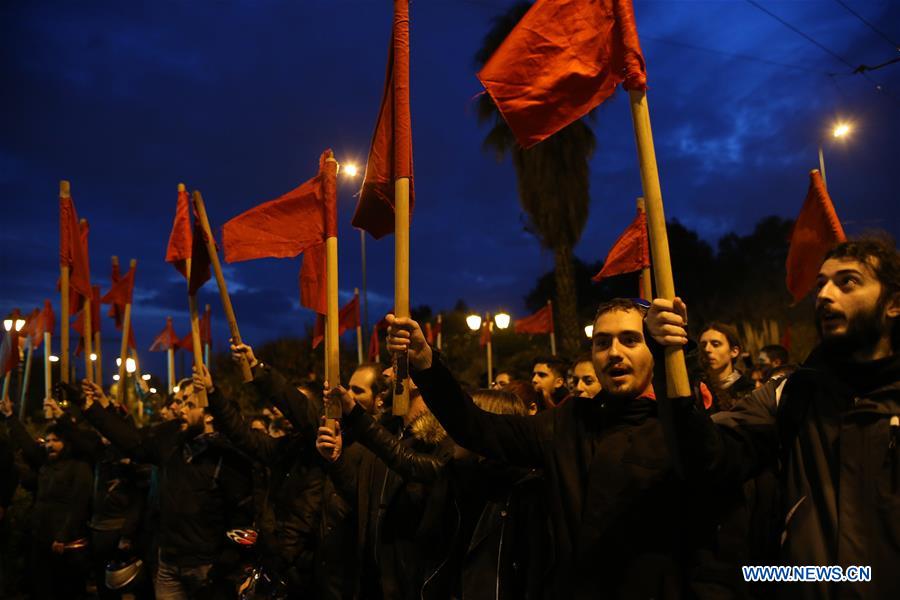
892,311
735,352
559,382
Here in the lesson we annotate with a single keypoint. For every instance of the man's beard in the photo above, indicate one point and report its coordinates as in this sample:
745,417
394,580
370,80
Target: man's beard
863,333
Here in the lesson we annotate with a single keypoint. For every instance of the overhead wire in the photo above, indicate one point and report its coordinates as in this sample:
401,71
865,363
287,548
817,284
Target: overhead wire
880,33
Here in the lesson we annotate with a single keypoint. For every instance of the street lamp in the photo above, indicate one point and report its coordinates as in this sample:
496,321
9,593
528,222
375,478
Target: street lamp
589,331
116,377
8,324
474,322
118,362
502,320
54,358
93,356
146,376
840,131
130,365
350,170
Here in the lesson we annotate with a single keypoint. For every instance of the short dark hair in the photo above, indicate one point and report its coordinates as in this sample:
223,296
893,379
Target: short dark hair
623,304
879,251
555,364
379,383
776,352
499,402
729,331
583,358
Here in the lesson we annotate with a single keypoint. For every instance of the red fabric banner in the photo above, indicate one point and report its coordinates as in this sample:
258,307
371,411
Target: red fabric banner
206,328
563,59
390,156
313,293
180,239
348,319
9,352
200,260
73,249
374,345
78,324
539,322
166,339
630,253
816,231
43,322
121,293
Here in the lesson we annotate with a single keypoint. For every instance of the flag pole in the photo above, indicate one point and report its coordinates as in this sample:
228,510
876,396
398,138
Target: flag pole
246,373
359,331
48,373
196,345
123,349
29,352
207,309
645,290
552,329
440,333
332,341
365,295
401,288
170,358
98,364
88,333
490,354
64,192
677,382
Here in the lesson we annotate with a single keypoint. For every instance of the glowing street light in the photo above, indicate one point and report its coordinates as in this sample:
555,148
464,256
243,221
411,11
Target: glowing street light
130,366
152,390
176,389
8,324
116,377
474,322
350,170
146,376
589,331
501,320
54,358
93,356
118,362
840,130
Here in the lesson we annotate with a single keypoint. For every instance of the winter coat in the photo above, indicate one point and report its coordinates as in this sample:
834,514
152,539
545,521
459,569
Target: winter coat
204,485
614,501
838,461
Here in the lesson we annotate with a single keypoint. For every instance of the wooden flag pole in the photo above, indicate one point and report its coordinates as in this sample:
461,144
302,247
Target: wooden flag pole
170,366
440,333
332,318
88,333
64,192
123,349
646,285
552,329
29,352
196,344
98,364
490,354
359,331
200,207
401,289
677,383
48,373
208,312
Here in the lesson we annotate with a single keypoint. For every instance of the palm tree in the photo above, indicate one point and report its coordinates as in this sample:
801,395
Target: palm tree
552,179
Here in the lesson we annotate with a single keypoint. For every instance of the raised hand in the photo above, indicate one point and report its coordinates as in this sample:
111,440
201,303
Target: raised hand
667,322
405,335
339,394
6,408
243,351
93,393
201,378
329,442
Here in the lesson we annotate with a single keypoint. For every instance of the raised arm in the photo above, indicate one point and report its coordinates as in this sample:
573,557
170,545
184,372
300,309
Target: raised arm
20,438
515,439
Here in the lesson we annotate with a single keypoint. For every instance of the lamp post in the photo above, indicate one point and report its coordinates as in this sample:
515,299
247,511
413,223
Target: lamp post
351,171
839,131
11,323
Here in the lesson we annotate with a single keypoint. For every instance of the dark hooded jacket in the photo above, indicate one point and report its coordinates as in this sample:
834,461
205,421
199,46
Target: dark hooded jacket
613,498
838,462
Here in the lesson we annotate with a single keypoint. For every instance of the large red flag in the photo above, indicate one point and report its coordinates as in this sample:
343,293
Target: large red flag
539,322
9,352
200,260
816,231
44,322
348,318
72,248
390,156
630,253
180,239
32,322
563,59
206,327
166,339
78,325
121,293
297,222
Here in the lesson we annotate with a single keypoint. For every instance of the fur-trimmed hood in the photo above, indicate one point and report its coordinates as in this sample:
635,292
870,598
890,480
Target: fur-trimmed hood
427,429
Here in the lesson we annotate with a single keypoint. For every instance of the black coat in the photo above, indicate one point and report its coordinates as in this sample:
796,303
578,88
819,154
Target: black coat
204,485
838,461
614,502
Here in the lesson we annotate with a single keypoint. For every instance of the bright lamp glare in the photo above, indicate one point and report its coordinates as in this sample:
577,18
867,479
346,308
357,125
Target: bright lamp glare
7,324
118,362
176,389
152,390
841,129
20,323
93,356
146,376
350,170
501,320
129,365
589,331
116,377
474,322
54,358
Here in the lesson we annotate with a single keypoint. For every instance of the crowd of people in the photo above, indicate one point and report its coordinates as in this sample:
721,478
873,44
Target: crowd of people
588,480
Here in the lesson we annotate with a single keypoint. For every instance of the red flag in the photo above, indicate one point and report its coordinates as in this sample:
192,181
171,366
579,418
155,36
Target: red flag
166,339
816,231
562,60
116,311
390,156
630,253
206,327
43,322
121,293
539,322
180,239
186,343
9,351
78,325
73,248
297,222
348,318
200,260
374,346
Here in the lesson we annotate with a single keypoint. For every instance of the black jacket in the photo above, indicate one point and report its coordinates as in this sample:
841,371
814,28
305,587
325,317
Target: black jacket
204,485
614,501
838,460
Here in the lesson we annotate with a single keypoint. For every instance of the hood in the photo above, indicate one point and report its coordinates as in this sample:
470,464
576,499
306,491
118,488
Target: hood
427,429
